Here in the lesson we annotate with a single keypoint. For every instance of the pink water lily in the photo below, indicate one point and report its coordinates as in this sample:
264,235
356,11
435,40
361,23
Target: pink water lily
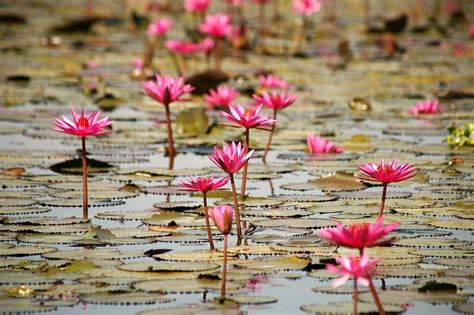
272,82
222,96
387,172
306,7
182,48
196,6
361,235
355,267
318,145
426,107
217,25
137,63
222,217
207,45
166,89
159,27
81,125
247,117
275,100
232,157
203,184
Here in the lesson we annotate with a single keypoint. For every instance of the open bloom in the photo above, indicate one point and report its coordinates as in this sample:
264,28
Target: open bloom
217,25
159,27
203,184
182,48
196,6
359,268
207,45
248,117
232,157
318,145
81,125
426,107
222,217
222,96
275,100
307,7
166,89
272,82
385,173
358,235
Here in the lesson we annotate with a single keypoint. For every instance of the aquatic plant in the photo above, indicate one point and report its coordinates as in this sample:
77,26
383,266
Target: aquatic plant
426,107
222,96
318,145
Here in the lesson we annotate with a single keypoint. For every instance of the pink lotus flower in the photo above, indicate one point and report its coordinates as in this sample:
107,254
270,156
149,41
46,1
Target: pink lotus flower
232,157
182,48
217,25
196,6
166,89
307,7
82,126
222,96
137,63
222,217
272,82
426,107
471,30
203,184
387,172
275,100
358,235
359,268
207,45
159,27
248,117
318,145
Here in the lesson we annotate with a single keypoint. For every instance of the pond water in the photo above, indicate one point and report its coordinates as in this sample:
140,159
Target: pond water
52,260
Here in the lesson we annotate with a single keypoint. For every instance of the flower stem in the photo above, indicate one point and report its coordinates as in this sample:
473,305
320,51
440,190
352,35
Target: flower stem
148,54
208,225
270,137
382,203
237,211
376,297
261,12
224,270
244,176
85,210
355,296
171,151
174,58
218,54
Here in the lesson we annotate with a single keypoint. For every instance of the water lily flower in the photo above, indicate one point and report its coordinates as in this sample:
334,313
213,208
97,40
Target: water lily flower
426,107
275,101
165,91
386,173
182,48
217,25
204,185
318,145
83,126
159,27
358,268
359,236
272,82
196,6
137,63
222,96
207,45
471,30
247,118
222,217
306,7
231,159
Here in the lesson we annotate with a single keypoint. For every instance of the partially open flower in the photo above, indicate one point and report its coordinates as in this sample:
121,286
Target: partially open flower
166,89
318,145
426,107
217,25
359,268
275,100
159,27
182,48
306,7
222,96
232,157
222,217
272,82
